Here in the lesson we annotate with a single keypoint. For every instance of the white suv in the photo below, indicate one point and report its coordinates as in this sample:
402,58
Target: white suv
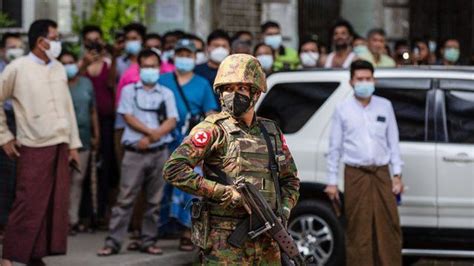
435,114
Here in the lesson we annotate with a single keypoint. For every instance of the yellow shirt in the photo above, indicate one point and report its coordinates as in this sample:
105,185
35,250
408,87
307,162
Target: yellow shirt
385,60
44,112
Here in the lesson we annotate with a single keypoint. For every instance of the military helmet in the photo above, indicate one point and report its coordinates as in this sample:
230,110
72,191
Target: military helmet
241,68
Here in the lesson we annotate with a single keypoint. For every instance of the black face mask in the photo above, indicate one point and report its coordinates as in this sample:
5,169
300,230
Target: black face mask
236,104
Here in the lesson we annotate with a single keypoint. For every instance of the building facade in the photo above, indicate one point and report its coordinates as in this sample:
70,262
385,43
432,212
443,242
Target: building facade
401,19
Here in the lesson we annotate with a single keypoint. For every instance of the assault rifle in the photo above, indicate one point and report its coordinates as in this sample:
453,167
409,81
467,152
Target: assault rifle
262,219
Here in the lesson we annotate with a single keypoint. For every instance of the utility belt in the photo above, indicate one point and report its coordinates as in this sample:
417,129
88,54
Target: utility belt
203,221
150,150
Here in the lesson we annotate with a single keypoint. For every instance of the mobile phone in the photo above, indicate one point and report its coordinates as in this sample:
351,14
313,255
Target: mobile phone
74,165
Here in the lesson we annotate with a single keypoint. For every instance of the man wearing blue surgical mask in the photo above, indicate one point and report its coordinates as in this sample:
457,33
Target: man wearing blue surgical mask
83,99
195,100
149,110
286,58
364,136
450,53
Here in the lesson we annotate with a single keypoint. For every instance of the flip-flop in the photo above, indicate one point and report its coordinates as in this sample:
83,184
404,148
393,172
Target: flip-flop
113,251
148,250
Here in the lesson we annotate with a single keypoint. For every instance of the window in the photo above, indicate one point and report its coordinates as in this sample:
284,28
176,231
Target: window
460,116
408,98
291,105
14,11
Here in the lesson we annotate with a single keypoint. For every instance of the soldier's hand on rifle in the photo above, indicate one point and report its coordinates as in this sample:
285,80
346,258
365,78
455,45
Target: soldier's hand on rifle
231,197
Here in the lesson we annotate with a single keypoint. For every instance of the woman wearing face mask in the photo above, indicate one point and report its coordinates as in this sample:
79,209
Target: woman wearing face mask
82,94
266,56
309,53
194,99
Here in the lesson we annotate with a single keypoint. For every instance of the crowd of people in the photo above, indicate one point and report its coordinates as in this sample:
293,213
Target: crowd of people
127,106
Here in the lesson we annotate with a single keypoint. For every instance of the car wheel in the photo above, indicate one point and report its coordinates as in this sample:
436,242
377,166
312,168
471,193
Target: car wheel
317,232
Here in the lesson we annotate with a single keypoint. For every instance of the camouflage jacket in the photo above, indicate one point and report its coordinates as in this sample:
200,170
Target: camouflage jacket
208,143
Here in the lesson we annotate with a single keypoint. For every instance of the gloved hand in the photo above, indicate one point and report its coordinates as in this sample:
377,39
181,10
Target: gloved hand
228,196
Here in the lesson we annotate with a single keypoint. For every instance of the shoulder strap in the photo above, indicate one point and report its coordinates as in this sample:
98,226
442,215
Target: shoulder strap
181,93
219,177
273,166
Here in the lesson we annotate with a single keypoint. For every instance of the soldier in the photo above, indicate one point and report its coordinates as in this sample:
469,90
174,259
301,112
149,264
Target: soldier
233,142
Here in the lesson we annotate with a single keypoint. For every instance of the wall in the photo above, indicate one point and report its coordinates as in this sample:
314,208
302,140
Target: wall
286,14
174,14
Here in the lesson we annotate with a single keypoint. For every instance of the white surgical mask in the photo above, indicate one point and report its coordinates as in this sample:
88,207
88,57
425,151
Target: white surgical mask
54,49
309,59
167,55
200,58
218,54
266,61
13,53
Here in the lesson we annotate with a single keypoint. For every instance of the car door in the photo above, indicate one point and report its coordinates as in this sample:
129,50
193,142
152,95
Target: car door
294,102
455,153
413,103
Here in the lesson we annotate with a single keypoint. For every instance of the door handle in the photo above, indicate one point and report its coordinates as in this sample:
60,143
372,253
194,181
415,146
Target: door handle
460,158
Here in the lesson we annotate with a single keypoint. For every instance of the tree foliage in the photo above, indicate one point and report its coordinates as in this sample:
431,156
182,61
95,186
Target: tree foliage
5,20
111,15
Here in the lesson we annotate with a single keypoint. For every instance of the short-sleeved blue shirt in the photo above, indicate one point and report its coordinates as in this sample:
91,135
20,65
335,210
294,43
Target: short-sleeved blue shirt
138,102
198,93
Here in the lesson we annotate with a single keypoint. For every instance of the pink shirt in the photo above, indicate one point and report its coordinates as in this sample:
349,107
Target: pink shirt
131,75
167,67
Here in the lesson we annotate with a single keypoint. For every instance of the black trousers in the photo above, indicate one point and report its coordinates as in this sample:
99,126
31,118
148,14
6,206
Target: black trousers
108,174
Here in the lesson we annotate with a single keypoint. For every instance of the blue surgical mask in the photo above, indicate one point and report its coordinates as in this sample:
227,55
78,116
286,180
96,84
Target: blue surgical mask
184,64
364,89
149,76
273,41
133,47
266,61
451,54
361,49
71,70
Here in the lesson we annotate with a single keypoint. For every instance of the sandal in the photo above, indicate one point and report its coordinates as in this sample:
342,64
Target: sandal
185,244
151,250
107,251
134,245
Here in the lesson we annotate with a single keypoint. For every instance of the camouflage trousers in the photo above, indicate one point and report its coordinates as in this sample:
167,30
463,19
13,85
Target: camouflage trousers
261,251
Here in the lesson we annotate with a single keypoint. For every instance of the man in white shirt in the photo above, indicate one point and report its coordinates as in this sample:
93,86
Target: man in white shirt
342,56
364,135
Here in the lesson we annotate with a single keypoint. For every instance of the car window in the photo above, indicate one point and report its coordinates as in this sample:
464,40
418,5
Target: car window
291,105
460,116
408,98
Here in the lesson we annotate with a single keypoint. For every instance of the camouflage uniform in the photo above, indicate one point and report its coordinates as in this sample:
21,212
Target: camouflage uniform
222,141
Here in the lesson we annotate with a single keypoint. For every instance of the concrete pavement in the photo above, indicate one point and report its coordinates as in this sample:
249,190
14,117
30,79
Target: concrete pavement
82,251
